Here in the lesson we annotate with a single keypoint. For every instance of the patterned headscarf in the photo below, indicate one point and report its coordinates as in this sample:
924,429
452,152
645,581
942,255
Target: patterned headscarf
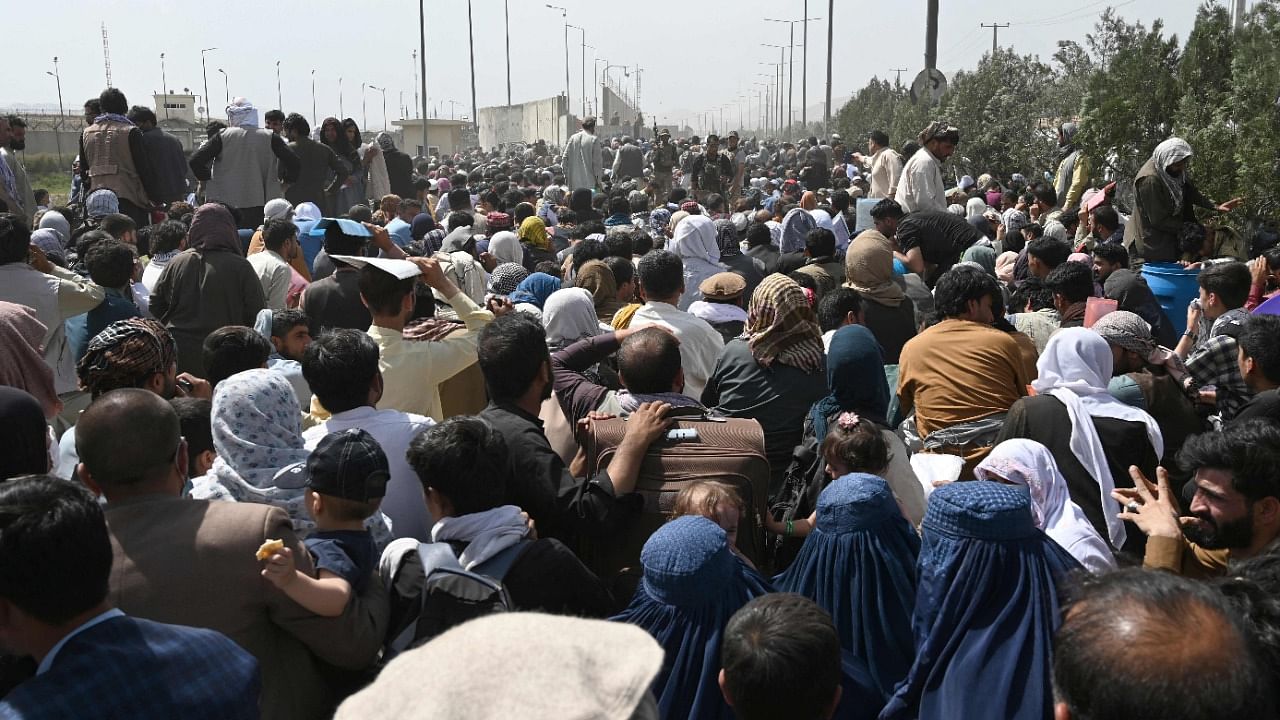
58,222
47,240
658,221
1129,331
21,364
101,202
727,238
1167,153
938,129
534,232
496,221
782,327
506,278
126,353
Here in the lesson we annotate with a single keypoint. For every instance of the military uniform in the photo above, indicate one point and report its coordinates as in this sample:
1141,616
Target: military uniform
664,159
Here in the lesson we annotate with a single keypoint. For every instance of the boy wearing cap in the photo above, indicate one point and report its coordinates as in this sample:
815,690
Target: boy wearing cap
721,304
346,478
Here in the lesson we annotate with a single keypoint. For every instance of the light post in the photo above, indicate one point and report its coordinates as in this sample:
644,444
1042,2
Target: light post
564,15
584,67
782,63
625,73
471,47
364,109
595,71
57,133
226,85
791,68
340,111
204,70
164,84
315,121
382,90
422,60
279,94
590,108
506,15
453,105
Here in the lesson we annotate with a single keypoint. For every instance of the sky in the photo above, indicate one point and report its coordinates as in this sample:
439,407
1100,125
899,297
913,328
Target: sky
696,55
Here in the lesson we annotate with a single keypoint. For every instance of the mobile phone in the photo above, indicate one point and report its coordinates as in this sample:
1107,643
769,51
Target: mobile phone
185,385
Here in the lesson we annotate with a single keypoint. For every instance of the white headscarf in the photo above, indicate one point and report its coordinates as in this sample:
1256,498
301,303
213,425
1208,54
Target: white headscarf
695,239
306,211
242,113
1075,367
823,218
975,208
505,246
1167,153
1030,464
569,316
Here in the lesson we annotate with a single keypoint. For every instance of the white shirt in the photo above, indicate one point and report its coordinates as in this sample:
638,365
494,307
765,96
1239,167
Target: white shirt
920,187
886,171
394,430
700,344
47,662
274,274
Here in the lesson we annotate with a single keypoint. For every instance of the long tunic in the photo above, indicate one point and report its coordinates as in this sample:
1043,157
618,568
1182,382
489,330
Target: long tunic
583,161
920,187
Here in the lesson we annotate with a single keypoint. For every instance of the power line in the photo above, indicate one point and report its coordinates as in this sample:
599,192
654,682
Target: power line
995,33
899,71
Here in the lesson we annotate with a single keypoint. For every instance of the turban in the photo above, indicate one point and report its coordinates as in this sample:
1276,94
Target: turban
126,353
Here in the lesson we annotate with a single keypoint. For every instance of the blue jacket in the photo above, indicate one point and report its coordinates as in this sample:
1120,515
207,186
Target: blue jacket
128,667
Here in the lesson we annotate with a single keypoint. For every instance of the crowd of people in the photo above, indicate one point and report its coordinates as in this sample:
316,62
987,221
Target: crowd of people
298,424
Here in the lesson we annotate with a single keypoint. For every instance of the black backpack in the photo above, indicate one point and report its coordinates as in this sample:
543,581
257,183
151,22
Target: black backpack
450,595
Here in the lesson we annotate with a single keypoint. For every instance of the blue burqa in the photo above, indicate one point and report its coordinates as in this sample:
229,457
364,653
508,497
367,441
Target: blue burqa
859,565
986,609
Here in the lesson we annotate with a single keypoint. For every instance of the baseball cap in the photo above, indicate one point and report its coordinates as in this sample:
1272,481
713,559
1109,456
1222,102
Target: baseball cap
348,464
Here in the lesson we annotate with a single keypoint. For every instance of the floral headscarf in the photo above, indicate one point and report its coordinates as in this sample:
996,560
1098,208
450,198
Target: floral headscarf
781,325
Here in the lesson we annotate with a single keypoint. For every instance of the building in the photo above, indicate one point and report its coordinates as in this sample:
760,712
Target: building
445,137
175,106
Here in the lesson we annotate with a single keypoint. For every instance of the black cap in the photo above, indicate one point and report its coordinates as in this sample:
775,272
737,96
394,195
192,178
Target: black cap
348,464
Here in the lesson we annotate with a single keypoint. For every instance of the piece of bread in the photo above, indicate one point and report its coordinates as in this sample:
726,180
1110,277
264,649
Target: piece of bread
270,548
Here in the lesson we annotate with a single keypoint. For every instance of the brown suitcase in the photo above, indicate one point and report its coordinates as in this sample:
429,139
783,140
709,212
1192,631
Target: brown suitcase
728,450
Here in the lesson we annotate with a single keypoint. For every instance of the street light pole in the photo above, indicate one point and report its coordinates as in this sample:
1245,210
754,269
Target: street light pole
57,133
791,67
279,94
164,84
506,10
422,39
589,107
471,45
564,14
595,104
831,19
382,90
204,70
584,68
340,111
226,85
315,121
364,109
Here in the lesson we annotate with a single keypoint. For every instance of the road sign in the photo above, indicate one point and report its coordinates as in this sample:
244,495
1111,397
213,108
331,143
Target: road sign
930,84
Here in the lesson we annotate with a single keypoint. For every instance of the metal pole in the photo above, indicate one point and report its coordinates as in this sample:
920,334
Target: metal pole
226,85
364,109
826,120
204,71
931,36
791,77
506,9
422,38
567,101
340,111
279,94
471,46
314,120
804,71
584,71
57,132
164,84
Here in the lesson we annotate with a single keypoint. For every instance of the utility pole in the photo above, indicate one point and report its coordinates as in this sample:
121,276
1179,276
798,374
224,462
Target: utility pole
62,115
164,88
995,32
506,10
931,36
279,94
584,68
831,12
899,71
204,71
315,122
564,15
471,47
422,60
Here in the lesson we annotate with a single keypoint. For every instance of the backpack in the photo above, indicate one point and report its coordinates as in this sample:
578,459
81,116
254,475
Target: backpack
804,481
448,594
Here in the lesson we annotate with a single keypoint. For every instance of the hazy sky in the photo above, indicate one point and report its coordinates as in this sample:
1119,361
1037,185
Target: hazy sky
697,55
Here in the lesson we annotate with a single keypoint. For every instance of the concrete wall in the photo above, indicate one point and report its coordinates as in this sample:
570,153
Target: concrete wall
527,122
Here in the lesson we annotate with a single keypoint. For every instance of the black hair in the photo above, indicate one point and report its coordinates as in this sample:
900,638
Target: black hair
93,106
639,204
715,201
649,360
781,658
232,349
512,351
840,201
1046,195
622,269
195,418
1273,258
835,305
805,280
1070,218
459,198
339,366
464,459
274,116
879,137
1249,450
1252,587
677,195
1036,230
1111,657
1072,280
886,208
139,114
117,224
960,285
759,235
167,236
277,232
1034,291
1229,281
1049,251
337,242
360,213
154,434
910,148
382,291
1112,254
459,219
214,127
112,100
55,553
110,264
1260,341
619,205
549,267
282,321
588,250
661,274
820,242
617,243
293,122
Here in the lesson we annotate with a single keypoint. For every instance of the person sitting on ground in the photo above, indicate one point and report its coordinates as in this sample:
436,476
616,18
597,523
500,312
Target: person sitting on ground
55,567
232,349
346,477
692,585
820,259
990,573
110,266
517,371
760,247
838,308
205,551
1209,346
1259,344
858,564
868,267
962,375
1235,513
661,276
1111,658
1044,255
1072,285
1131,292
1034,313
781,657
721,304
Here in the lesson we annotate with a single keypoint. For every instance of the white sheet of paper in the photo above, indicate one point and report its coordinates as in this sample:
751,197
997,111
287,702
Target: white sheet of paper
401,269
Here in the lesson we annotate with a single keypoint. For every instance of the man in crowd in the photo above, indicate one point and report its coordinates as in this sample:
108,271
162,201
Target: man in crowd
315,162
712,171
1072,285
663,157
17,142
238,165
583,159
95,661
113,155
399,166
1259,343
1209,345
168,159
1124,651
10,196
661,284
738,154
400,228
1165,198
884,166
931,241
962,375
628,162
920,186
1044,255
280,246
1108,258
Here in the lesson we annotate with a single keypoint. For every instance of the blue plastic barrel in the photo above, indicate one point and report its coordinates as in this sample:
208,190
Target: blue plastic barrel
1174,287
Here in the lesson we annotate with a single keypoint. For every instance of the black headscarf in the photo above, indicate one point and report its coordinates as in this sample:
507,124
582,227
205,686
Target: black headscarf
23,427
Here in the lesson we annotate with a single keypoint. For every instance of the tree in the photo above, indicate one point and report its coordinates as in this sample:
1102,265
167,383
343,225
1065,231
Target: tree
1203,117
1255,108
871,108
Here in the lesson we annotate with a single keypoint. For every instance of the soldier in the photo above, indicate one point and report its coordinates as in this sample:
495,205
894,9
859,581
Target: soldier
663,158
712,171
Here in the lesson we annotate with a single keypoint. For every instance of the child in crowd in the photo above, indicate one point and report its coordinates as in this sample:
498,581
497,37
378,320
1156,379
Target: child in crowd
715,501
346,478
853,445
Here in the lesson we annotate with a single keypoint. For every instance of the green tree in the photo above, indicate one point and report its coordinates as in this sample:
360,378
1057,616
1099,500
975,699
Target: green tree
1203,117
1255,108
